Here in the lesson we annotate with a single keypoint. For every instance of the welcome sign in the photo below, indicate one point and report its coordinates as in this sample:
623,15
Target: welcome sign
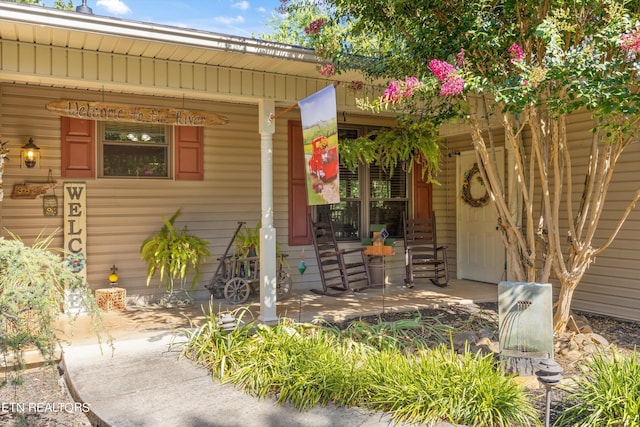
75,235
126,113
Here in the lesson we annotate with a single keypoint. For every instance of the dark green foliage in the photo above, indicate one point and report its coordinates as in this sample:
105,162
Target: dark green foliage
172,253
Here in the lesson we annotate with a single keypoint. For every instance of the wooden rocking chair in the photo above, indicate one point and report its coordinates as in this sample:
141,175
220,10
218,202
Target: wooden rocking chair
423,257
341,270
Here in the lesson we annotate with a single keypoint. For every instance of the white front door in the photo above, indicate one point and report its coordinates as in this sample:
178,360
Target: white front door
480,253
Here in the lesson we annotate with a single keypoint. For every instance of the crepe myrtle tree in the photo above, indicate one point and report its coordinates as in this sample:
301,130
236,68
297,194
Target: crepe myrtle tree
524,67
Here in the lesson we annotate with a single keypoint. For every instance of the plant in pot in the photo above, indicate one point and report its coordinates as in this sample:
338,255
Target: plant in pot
172,254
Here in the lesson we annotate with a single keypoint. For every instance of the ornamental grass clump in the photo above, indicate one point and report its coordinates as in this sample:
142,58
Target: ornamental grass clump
439,385
606,394
369,367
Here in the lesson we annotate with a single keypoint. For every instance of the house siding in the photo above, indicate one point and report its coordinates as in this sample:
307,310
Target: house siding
611,285
40,63
121,213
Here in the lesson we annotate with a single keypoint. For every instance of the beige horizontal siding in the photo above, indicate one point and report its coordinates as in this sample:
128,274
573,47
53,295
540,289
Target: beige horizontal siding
122,212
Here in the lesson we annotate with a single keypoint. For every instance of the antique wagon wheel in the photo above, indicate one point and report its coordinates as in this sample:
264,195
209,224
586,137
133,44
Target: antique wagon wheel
283,285
237,290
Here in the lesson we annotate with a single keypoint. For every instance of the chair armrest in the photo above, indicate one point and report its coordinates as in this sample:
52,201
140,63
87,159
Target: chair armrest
351,251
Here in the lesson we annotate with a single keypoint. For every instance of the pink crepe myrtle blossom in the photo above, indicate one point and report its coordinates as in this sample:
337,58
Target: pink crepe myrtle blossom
328,70
631,41
401,89
453,85
314,27
441,69
517,54
356,85
410,85
392,94
460,58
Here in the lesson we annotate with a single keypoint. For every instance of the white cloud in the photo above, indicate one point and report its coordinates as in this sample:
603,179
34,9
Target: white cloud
229,20
262,9
242,5
116,7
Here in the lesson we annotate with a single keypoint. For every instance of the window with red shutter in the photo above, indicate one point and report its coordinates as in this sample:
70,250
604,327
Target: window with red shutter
189,157
78,148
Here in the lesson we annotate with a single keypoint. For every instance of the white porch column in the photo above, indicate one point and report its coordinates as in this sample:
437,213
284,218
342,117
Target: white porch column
267,232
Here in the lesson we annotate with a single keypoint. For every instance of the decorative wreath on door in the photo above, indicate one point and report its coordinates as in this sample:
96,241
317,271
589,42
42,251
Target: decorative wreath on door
466,188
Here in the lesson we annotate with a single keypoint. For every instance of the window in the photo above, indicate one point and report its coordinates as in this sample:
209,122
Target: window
369,195
137,150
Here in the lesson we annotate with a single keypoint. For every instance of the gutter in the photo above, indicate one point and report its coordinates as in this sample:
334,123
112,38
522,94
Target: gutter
107,26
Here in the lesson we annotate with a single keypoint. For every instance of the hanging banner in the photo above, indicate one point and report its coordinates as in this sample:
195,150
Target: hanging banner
320,135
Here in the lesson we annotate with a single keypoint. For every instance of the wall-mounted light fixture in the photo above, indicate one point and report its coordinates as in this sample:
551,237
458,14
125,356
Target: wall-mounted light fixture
30,153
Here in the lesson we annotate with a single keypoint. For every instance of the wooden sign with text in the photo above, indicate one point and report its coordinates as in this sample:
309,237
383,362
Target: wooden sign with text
126,113
75,237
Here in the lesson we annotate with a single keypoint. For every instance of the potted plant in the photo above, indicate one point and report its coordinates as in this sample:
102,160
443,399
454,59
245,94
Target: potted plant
173,253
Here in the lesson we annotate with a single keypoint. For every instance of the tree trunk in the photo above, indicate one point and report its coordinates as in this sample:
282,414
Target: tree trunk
563,306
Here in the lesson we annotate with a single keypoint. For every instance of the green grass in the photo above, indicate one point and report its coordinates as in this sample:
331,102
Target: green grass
607,394
369,366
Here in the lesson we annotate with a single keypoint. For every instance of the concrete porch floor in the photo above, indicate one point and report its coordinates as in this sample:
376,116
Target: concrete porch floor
302,306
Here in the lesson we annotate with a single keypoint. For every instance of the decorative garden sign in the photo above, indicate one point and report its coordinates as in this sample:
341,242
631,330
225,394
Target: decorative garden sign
126,113
75,235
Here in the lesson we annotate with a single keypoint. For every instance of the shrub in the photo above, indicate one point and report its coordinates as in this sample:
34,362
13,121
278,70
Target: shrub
606,394
33,281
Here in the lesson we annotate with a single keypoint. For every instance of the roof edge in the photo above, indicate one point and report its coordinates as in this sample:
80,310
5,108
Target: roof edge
71,20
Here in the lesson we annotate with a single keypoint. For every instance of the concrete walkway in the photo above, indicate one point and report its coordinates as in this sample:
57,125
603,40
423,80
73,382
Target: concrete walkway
141,381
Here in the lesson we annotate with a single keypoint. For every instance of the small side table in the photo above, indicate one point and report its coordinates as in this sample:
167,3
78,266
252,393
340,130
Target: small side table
111,298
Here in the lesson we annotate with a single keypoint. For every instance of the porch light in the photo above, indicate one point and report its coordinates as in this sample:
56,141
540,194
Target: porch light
84,8
113,277
30,153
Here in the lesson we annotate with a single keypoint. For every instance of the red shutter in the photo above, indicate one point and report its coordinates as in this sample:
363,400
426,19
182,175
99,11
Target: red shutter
299,228
78,148
189,158
422,203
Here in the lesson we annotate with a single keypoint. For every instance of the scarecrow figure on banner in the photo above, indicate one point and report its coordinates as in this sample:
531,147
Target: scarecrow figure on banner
320,136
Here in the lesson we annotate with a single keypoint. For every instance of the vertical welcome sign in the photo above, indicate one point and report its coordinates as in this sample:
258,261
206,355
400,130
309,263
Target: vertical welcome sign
320,135
75,235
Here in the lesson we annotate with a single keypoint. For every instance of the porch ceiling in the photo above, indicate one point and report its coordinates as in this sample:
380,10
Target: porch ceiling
52,27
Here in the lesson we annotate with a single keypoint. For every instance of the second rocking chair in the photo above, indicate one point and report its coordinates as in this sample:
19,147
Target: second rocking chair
423,257
341,270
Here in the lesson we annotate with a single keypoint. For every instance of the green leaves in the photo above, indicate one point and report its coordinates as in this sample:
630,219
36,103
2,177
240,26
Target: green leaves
417,142
608,394
379,367
33,283
172,253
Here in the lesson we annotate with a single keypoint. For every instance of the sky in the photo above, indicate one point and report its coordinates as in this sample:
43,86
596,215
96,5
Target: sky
232,17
